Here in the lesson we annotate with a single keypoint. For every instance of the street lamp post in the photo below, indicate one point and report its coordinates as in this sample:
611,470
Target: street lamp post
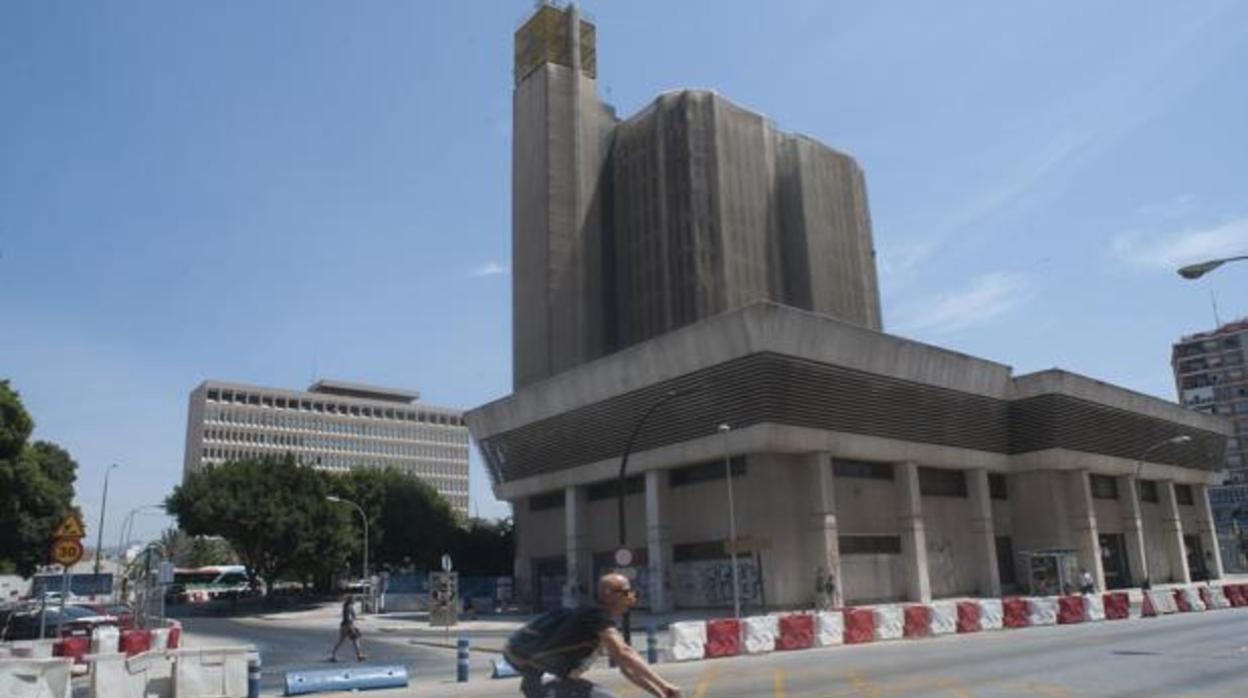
1139,465
1195,271
364,518
620,486
99,536
127,525
732,525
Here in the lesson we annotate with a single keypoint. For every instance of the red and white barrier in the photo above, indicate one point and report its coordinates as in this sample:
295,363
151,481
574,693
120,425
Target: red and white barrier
1161,601
918,621
1189,597
1016,613
1093,608
688,640
829,629
1069,610
944,617
723,637
968,617
796,631
859,625
890,623
1116,605
758,634
991,614
1042,610
1218,596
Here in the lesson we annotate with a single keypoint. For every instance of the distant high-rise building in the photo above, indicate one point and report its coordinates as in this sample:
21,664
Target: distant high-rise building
623,230
1211,375
332,426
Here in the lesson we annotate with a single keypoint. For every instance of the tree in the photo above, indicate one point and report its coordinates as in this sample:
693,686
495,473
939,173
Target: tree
36,488
208,550
272,512
486,548
407,519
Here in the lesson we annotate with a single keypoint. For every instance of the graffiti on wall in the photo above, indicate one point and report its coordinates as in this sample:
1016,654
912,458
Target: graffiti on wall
705,583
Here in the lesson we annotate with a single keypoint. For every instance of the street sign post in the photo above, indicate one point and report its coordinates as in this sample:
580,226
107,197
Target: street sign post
66,550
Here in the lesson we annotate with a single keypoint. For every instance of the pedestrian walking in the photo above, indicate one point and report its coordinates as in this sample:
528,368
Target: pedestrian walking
564,643
348,630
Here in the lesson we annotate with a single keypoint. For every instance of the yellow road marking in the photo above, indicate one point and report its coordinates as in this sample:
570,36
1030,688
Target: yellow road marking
704,683
779,683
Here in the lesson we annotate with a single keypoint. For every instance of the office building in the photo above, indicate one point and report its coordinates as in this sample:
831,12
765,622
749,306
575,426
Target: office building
691,267
1211,376
332,426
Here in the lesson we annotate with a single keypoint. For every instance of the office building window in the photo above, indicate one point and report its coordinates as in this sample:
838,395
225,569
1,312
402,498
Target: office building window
997,486
1148,491
934,482
546,500
1183,495
1103,486
870,545
862,469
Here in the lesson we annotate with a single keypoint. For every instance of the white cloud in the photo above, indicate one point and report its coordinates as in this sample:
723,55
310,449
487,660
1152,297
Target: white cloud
490,268
1180,205
988,297
1175,249
898,259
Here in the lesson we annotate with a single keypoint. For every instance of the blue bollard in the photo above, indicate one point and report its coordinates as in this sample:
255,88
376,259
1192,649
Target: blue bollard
253,675
652,646
461,660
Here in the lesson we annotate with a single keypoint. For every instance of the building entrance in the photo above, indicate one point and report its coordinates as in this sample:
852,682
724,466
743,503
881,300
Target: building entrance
1195,558
1114,561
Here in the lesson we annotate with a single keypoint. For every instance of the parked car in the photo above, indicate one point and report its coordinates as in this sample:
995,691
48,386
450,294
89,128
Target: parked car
23,623
123,613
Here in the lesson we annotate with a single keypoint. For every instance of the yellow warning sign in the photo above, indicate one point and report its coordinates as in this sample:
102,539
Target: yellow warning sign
70,527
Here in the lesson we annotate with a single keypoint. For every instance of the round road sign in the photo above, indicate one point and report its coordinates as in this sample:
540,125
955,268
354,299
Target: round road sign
66,551
623,557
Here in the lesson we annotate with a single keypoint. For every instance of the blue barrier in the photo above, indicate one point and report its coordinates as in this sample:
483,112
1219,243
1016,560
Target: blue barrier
461,660
253,675
345,679
503,670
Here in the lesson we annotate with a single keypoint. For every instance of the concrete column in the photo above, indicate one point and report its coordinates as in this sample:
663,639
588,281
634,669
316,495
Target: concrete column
580,562
659,541
913,533
825,541
983,534
1083,525
1208,534
1133,529
1172,532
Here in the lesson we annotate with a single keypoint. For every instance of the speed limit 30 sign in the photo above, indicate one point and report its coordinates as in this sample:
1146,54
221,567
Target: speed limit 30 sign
66,551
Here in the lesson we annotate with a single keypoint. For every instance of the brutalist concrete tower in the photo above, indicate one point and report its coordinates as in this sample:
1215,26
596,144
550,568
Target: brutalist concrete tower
622,231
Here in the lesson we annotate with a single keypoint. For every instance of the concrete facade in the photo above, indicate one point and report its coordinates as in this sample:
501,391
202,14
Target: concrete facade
625,229
692,267
332,426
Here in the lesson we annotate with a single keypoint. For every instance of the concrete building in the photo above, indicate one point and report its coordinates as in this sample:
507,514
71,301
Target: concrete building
332,426
866,467
1211,376
625,229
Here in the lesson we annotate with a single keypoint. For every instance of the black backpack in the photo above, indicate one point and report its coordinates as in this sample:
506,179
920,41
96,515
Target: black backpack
541,644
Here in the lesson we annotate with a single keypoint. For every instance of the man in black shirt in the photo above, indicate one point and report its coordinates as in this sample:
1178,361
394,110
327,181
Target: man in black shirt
565,643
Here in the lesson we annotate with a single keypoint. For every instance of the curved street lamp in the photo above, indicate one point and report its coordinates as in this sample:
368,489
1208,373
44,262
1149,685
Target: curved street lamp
364,518
1195,271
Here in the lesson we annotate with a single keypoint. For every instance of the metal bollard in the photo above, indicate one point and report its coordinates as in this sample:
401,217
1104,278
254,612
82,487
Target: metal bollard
652,645
461,660
253,675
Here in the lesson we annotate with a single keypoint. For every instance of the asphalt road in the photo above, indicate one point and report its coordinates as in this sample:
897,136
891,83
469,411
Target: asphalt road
1199,654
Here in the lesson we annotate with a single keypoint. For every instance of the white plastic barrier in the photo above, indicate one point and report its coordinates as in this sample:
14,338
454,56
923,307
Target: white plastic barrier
1192,597
1093,607
759,633
114,675
829,628
1042,610
36,678
890,622
688,640
944,615
33,649
105,639
991,614
1163,601
1218,596
160,638
210,672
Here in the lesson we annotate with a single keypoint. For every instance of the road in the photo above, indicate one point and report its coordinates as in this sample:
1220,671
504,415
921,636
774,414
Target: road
1199,654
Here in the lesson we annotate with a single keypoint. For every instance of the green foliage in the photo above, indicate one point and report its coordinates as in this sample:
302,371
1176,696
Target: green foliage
272,512
408,521
486,548
207,550
36,488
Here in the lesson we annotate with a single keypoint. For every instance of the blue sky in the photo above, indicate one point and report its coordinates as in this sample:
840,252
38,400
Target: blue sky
270,192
